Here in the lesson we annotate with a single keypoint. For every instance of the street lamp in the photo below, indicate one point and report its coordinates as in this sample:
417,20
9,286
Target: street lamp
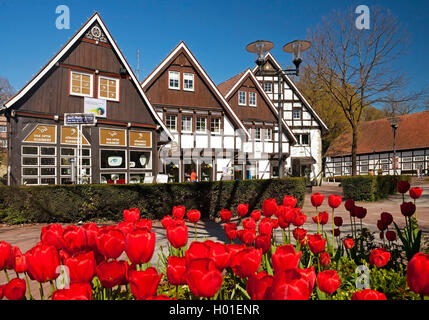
394,121
260,48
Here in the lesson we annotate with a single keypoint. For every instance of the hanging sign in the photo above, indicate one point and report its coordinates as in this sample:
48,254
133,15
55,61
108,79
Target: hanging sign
96,107
112,137
42,134
73,119
140,139
69,136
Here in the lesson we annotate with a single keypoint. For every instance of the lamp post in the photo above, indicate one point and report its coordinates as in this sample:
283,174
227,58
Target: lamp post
394,124
260,48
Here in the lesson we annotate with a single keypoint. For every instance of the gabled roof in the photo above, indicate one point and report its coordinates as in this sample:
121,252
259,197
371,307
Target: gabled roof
94,18
377,135
290,83
234,83
169,59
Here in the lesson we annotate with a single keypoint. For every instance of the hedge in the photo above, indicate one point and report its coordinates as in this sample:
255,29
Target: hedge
95,202
371,188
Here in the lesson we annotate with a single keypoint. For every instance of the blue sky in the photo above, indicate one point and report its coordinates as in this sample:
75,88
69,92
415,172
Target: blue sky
216,31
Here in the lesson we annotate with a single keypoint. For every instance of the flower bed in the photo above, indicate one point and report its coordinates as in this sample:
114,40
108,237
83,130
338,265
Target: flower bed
84,262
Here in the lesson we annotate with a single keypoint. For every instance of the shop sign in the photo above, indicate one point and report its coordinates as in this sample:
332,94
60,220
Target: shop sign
73,119
140,139
96,107
42,134
112,137
69,136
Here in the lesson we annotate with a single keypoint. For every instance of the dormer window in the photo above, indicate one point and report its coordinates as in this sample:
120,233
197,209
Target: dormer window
174,80
252,99
108,88
81,84
188,81
268,87
242,98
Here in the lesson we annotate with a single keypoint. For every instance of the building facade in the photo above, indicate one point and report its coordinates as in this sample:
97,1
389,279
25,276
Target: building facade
375,148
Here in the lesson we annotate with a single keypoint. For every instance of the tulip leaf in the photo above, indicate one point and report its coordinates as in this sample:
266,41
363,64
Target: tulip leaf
243,291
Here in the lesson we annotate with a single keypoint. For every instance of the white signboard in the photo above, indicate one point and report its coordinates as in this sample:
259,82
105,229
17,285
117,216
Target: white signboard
162,178
95,106
148,179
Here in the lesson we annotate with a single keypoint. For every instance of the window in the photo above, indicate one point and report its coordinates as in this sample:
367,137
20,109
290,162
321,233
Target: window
364,169
296,113
215,125
3,143
257,133
268,87
268,134
140,160
201,124
108,88
186,123
242,98
171,122
188,82
66,156
407,166
252,99
112,159
174,80
113,178
3,128
305,139
38,164
337,171
81,84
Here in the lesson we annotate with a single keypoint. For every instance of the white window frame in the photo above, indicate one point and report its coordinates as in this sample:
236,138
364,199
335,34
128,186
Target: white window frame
293,113
196,124
141,170
254,95
181,123
190,76
1,128
257,129
170,73
175,122
114,168
117,88
211,125
91,77
240,93
271,87
268,134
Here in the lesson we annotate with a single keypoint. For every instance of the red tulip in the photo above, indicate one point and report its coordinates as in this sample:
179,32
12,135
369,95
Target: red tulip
112,273
359,212
316,243
265,227
139,246
247,236
403,186
42,263
323,218
179,212
144,284
275,223
348,243
381,235
258,284
91,231
299,234
242,209
282,222
132,215
349,204
290,214
379,257
263,242
81,267
328,281
256,215
415,192
177,234
317,199
76,291
381,226
249,224
246,262
269,207
299,219
309,275
110,242
324,259
6,257
19,261
52,235
176,270
418,274
74,239
230,231
334,201
391,235
15,289
386,218
337,232
289,285
285,257
197,250
225,215
289,201
166,221
144,224
193,215
203,278
338,221
368,294
125,227
408,209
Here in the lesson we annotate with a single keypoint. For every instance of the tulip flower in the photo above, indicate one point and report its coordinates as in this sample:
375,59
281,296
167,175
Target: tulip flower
285,257
132,215
368,294
289,285
15,289
143,224
166,221
415,192
289,201
249,224
19,261
269,207
42,263
125,227
220,254
391,235
144,284
110,243
177,234
299,219
225,215
386,218
193,215
197,250
74,239
300,235
265,227
76,291
139,246
258,284
379,257
324,259
403,186
246,262
316,243
247,236
338,221
203,278
230,231
5,255
334,201
317,199
112,273
256,215
328,281
52,234
179,212
408,209
417,274
242,210
349,204
91,230
263,242
176,270
348,243
81,267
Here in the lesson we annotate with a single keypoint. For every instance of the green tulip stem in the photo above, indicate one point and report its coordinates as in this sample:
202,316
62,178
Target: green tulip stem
333,232
288,230
52,287
416,209
318,222
7,276
177,292
28,288
42,295
284,236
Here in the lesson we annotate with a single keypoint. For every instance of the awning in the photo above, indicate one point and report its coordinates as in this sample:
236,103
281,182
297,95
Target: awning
305,160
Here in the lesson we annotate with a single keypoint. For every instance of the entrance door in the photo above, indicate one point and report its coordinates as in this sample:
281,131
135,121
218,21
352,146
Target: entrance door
206,171
238,172
189,166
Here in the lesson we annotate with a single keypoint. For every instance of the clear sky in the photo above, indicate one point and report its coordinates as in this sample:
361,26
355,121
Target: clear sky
215,31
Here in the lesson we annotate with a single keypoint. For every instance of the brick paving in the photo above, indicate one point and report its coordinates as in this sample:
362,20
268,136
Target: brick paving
25,236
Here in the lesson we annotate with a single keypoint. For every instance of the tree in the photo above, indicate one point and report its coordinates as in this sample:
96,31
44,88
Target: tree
6,91
356,66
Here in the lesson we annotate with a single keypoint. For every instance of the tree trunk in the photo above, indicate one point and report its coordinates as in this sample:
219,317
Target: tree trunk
354,150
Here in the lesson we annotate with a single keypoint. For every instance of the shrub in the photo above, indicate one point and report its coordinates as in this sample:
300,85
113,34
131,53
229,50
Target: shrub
370,188
73,203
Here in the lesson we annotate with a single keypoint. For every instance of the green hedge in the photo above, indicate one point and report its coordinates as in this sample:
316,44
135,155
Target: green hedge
74,203
370,188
